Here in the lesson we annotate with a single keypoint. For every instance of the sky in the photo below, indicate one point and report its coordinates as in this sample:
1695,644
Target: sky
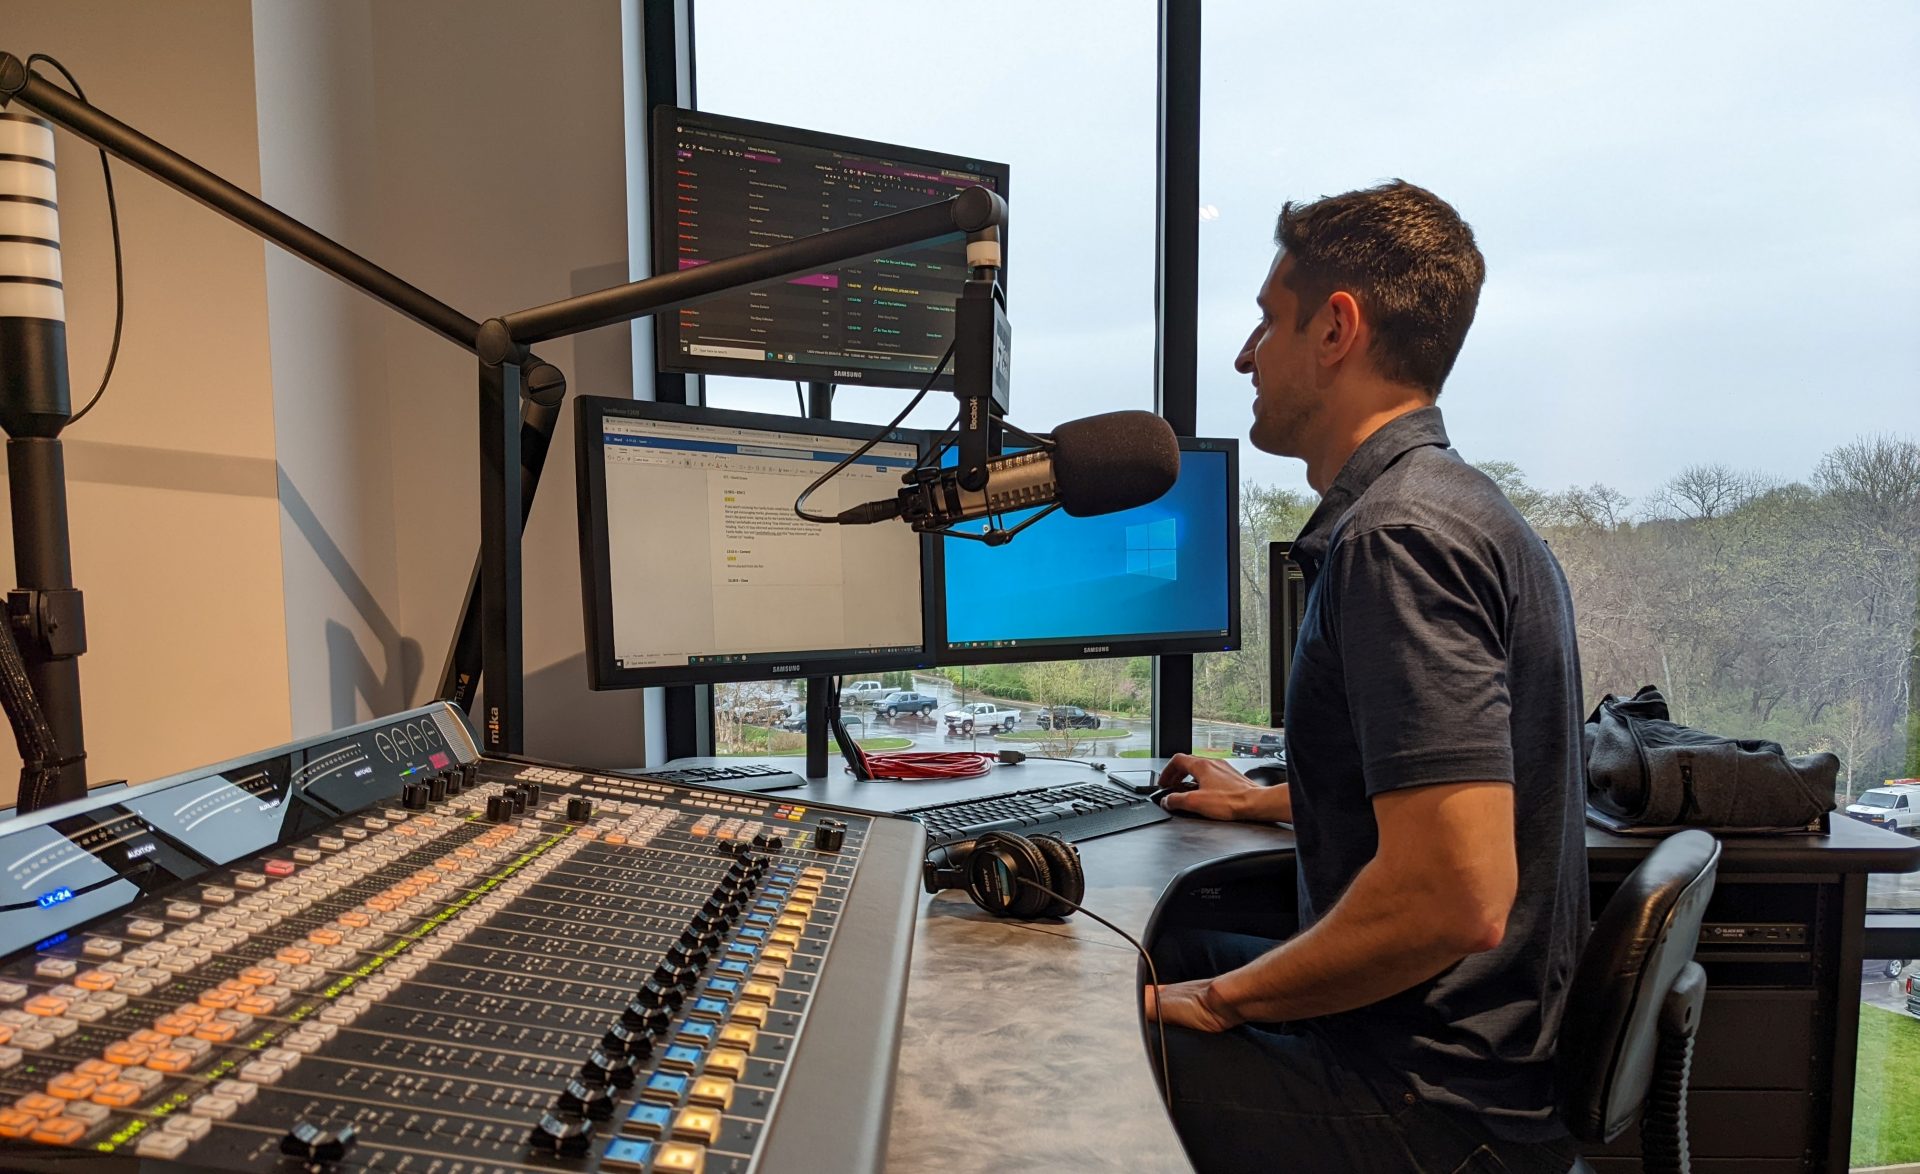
1700,220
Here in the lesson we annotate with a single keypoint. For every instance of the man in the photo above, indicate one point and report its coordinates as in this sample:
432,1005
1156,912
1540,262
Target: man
1433,739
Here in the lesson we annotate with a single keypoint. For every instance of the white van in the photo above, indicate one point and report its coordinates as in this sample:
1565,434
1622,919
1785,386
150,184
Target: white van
1896,808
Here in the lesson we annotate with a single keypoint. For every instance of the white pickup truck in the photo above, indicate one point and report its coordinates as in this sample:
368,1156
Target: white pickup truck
861,692
980,715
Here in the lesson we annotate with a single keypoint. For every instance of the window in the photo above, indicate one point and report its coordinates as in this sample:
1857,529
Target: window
1693,366
1069,104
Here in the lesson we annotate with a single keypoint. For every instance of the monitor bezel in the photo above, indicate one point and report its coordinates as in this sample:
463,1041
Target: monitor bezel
1084,648
596,585
666,355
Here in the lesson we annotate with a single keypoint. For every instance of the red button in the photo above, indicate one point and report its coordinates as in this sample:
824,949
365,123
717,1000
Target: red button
278,868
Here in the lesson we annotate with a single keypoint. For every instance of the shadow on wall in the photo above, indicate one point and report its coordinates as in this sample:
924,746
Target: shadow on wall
351,677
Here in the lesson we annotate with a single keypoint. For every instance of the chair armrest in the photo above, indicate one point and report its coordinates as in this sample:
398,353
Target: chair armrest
1246,893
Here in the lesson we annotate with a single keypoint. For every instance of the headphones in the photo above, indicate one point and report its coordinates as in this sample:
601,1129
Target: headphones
1000,870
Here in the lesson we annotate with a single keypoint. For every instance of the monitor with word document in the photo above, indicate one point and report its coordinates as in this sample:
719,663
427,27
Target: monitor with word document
1160,578
725,186
695,568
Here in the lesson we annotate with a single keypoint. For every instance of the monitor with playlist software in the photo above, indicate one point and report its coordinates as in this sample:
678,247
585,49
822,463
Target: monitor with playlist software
725,186
1160,578
695,568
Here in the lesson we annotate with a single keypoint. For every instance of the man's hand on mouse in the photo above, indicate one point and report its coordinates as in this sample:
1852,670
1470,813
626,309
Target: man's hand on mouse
1211,789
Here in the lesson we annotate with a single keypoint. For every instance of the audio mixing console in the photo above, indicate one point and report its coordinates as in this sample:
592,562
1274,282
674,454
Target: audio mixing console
379,950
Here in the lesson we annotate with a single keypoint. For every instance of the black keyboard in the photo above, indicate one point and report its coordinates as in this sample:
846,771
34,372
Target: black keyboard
744,776
1074,813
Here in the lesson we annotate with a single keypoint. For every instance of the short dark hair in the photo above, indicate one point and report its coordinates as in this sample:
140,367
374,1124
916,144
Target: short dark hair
1407,258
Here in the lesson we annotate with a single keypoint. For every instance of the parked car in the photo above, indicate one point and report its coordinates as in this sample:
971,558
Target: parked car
1269,745
764,713
1063,717
1879,968
980,715
1913,997
1895,808
901,701
862,692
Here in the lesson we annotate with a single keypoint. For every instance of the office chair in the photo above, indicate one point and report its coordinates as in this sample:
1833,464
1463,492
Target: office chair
1626,1042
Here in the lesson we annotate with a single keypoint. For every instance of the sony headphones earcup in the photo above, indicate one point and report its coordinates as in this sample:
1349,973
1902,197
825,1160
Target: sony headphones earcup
1063,864
997,865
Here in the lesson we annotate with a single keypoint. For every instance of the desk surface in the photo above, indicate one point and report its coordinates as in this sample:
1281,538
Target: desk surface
1021,1047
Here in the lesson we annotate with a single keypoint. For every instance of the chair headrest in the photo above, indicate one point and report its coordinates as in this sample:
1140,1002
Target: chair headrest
1645,936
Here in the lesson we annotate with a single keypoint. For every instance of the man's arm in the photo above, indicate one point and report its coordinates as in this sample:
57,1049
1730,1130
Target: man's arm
1439,888
1210,788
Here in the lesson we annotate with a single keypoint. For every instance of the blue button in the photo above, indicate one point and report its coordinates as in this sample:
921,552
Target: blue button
699,1031
665,1086
714,1007
626,1154
751,934
769,906
723,986
650,1120
736,966
682,1056
763,920
787,870
777,892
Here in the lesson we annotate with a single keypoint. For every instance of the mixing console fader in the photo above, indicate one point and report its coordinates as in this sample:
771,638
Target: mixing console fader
381,951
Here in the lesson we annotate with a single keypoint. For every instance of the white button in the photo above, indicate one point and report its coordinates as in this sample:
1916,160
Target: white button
56,967
12,992
59,1027
87,1111
217,895
101,948
108,1000
183,910
250,880
9,1058
191,1128
87,1012
284,1057
217,1108
163,1144
240,1090
262,1072
146,1078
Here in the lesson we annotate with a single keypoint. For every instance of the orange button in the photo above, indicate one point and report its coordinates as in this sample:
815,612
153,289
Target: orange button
383,904
71,1086
218,999
237,986
170,1060
324,937
48,1005
255,1005
40,1105
14,1123
615,838
60,1131
150,1037
196,1013
257,976
294,955
6,1032
355,920
215,1033
94,980
98,1069
175,1025
116,1094
127,1052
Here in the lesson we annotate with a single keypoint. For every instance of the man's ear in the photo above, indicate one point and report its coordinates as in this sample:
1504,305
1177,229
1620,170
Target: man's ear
1339,328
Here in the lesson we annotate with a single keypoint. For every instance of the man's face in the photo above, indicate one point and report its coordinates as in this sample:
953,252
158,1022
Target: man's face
1280,358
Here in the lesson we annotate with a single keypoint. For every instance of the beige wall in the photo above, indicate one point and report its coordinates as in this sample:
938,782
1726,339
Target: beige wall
175,519
274,511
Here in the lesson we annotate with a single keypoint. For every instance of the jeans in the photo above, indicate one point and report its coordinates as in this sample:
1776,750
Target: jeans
1270,1097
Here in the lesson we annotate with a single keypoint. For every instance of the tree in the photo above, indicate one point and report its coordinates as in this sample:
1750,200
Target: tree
1705,492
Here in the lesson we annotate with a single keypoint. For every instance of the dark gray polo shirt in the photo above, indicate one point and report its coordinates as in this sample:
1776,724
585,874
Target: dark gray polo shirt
1437,646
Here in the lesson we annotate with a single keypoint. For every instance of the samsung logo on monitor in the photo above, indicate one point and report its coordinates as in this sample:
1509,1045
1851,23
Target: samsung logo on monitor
838,374
1090,649
785,668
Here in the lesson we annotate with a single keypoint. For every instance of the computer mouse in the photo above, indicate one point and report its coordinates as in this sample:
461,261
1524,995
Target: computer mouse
1267,776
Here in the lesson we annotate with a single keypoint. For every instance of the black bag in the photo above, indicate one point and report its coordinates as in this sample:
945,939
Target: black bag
1644,770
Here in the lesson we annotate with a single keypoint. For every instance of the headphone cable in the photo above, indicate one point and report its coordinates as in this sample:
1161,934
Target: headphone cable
1166,1076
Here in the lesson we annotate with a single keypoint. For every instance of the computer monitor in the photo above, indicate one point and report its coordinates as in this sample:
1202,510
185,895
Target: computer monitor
724,186
1163,577
694,568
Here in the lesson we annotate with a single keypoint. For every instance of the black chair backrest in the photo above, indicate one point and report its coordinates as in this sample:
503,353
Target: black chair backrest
1644,938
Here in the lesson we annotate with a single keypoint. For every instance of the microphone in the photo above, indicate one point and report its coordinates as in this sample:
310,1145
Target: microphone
34,397
1096,465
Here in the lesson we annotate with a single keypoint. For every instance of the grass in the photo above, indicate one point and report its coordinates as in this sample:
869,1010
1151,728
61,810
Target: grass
1886,1129
1065,735
1143,752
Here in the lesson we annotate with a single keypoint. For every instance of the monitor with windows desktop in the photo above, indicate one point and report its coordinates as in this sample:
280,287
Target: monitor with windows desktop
725,186
696,569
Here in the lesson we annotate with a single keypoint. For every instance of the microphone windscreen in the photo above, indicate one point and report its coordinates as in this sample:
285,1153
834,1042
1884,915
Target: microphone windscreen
1115,461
